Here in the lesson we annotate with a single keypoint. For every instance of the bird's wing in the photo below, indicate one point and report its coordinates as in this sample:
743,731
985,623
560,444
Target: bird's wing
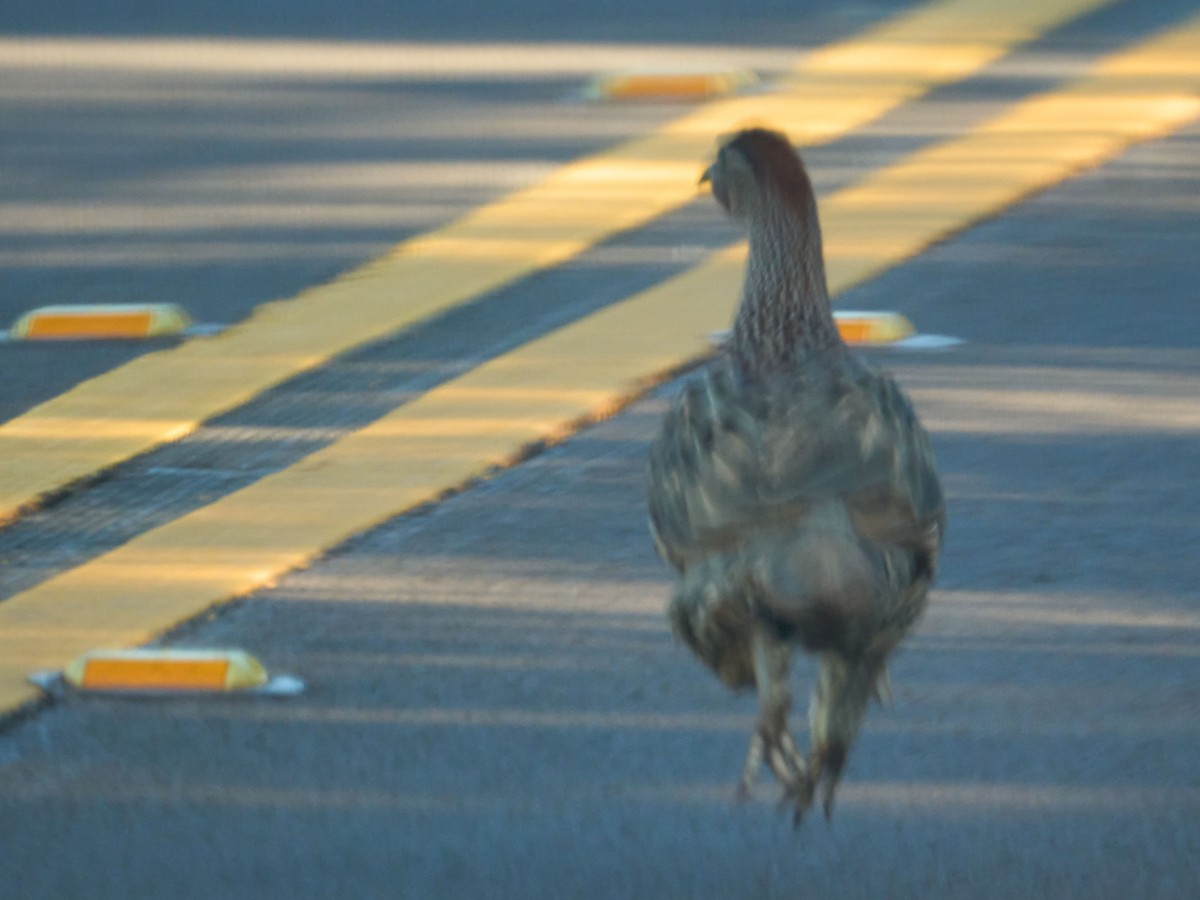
735,458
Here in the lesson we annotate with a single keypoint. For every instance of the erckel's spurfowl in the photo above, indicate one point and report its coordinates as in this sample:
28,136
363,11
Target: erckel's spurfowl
793,489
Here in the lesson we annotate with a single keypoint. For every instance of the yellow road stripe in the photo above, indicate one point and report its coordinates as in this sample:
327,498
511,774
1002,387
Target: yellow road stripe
163,396
536,392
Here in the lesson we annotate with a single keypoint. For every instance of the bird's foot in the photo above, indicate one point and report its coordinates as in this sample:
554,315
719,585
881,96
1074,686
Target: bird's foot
798,800
824,778
786,763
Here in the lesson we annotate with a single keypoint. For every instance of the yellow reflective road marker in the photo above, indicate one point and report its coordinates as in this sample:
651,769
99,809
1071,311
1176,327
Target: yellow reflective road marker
165,670
162,396
872,327
541,390
102,321
669,84
858,328
168,671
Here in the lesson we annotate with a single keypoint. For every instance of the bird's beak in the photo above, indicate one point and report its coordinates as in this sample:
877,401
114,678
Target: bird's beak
706,177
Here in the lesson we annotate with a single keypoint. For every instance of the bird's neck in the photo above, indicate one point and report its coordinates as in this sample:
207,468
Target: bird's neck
785,314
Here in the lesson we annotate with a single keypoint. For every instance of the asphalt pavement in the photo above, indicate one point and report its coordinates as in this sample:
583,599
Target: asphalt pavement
495,706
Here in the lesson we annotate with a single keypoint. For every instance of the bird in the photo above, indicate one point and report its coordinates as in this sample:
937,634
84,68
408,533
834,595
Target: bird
793,490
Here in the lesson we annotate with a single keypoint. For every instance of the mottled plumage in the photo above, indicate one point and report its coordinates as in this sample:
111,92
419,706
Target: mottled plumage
792,488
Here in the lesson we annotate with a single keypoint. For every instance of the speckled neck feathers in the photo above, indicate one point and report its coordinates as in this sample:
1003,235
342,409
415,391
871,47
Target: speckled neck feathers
785,314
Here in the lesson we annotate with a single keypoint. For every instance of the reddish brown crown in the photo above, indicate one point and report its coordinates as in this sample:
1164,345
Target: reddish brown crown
776,164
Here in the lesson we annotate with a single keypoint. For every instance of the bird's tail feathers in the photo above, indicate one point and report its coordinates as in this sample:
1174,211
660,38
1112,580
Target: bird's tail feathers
821,584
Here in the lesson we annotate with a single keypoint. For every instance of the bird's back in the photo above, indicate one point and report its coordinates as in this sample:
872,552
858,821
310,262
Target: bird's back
806,498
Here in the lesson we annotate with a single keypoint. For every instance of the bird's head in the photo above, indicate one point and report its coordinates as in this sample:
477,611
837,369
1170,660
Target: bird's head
754,166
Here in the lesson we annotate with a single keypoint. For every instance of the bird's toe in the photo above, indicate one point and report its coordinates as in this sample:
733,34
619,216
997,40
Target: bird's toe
797,798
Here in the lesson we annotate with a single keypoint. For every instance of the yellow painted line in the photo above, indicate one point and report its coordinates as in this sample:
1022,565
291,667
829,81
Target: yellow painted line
116,320
162,396
541,390
669,85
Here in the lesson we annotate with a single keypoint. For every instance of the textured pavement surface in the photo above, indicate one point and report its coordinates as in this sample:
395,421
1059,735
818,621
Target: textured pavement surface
496,707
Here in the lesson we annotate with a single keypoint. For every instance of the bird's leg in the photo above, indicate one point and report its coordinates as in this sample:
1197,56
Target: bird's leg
771,740
882,691
844,687
754,757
